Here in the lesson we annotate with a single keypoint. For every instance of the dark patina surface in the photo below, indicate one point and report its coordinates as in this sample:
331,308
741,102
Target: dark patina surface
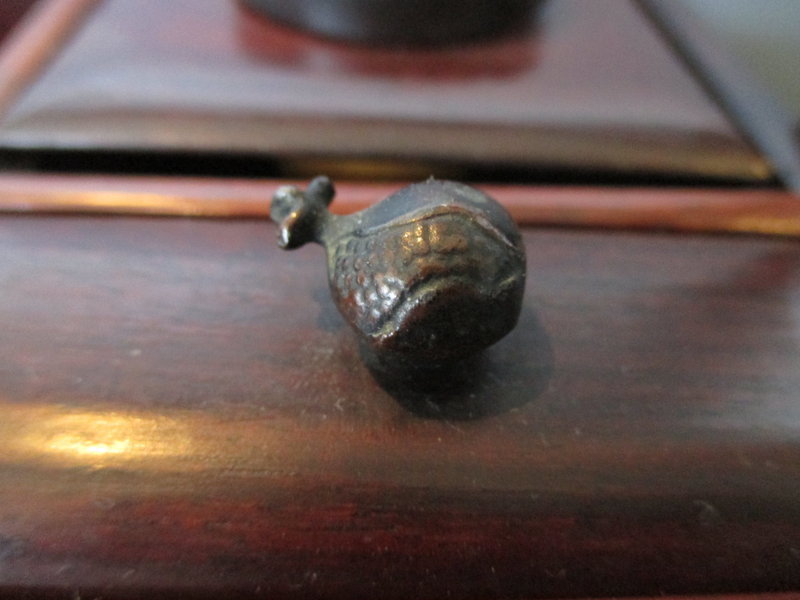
431,275
402,22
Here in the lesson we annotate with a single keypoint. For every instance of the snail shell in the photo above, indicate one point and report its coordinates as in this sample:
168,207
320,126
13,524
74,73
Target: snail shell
433,273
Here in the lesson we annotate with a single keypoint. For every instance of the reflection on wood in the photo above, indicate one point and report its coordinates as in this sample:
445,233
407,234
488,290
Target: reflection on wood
185,412
768,212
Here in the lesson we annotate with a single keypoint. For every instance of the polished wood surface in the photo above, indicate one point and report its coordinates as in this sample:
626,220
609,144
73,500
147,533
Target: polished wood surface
590,88
768,212
185,413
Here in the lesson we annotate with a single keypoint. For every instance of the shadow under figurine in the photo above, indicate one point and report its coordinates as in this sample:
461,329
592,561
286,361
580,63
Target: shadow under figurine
428,277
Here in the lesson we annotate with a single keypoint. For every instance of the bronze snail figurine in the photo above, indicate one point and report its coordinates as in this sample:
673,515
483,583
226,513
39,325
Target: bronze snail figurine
432,274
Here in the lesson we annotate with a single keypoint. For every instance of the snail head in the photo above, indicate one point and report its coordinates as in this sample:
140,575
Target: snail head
301,215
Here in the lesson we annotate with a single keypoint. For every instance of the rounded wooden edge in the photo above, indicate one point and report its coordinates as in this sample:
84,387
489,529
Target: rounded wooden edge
757,211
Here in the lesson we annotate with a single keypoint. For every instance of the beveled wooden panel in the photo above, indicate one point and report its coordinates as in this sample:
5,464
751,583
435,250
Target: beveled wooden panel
590,87
185,414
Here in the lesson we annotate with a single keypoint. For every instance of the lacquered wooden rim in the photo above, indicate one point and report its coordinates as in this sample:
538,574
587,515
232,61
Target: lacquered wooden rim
761,211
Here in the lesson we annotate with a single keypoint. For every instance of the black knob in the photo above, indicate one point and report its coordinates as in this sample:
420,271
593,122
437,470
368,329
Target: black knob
401,22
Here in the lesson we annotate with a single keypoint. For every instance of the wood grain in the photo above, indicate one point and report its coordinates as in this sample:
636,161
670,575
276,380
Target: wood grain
770,212
590,87
184,414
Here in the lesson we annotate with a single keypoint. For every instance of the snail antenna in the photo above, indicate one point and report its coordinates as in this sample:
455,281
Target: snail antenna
301,215
321,190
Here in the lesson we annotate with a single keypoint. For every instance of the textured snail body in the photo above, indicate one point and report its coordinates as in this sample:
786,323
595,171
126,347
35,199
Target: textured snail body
433,273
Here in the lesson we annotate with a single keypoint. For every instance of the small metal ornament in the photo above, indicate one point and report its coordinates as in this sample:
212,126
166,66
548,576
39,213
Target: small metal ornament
432,274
